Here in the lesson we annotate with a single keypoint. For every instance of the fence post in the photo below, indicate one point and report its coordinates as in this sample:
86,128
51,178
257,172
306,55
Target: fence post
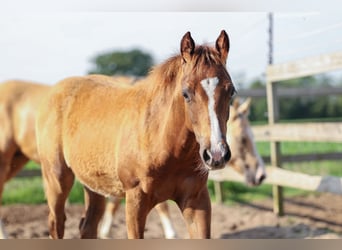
273,117
218,192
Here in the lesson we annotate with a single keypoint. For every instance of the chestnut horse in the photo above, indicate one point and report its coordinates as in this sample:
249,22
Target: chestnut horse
18,103
149,142
245,159
12,93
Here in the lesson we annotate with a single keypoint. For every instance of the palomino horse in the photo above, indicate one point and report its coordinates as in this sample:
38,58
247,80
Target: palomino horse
18,103
245,159
150,142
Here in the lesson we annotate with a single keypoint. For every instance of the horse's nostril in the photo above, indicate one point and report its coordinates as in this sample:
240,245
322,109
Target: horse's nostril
227,155
262,177
206,155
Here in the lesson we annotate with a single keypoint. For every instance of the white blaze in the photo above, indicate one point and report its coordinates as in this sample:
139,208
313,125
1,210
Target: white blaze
209,85
261,166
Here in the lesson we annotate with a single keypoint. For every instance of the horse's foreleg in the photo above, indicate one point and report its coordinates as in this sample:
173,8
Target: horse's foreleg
58,182
197,214
95,206
111,207
165,218
137,209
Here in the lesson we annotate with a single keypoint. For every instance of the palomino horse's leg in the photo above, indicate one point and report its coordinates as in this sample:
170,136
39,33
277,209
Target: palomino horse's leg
58,180
137,209
114,203
165,218
18,162
197,214
95,206
5,166
13,168
112,206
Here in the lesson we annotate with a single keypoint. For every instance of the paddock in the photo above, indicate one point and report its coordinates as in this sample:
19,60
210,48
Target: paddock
315,216
318,215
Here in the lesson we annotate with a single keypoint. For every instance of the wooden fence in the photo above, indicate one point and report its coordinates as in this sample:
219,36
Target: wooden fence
275,132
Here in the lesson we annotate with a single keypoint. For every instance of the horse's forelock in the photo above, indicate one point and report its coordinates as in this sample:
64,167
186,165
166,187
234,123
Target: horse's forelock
203,56
206,56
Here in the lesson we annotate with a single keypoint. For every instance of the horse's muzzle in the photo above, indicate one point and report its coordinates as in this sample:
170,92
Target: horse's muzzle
255,178
217,157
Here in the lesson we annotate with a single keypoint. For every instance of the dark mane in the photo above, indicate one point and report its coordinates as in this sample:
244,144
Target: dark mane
168,71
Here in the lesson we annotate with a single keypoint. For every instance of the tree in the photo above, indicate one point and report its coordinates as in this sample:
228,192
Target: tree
133,62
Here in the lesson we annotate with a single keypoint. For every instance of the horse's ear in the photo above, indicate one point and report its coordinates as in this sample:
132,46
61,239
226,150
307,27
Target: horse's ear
236,103
222,46
244,107
187,47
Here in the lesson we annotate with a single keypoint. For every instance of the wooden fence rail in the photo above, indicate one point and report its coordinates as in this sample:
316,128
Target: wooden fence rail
304,67
282,177
292,92
315,132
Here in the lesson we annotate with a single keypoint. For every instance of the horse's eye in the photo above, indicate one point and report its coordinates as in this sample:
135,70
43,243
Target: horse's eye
186,96
233,92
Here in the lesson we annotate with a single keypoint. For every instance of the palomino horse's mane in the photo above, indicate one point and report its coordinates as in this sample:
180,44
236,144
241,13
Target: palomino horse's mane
168,71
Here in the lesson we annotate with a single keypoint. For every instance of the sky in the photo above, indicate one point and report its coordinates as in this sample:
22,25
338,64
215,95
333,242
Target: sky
49,44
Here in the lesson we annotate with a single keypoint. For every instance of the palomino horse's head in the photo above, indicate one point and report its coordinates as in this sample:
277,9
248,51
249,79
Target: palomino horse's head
207,90
245,158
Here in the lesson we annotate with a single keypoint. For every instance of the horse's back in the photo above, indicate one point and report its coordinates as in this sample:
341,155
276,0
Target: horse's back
15,93
11,88
19,101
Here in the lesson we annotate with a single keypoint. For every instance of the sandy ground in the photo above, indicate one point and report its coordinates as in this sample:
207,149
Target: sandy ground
314,216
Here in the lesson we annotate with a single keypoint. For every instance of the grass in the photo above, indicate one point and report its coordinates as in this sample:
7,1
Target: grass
32,165
326,167
234,192
24,190
30,190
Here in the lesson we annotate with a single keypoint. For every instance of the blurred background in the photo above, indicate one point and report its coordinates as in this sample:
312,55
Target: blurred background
46,41
46,46
49,46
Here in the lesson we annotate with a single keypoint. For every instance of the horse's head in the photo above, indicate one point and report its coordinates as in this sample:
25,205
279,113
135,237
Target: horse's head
207,90
245,158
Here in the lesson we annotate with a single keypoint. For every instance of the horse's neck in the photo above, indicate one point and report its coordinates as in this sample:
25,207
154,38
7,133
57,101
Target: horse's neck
164,118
